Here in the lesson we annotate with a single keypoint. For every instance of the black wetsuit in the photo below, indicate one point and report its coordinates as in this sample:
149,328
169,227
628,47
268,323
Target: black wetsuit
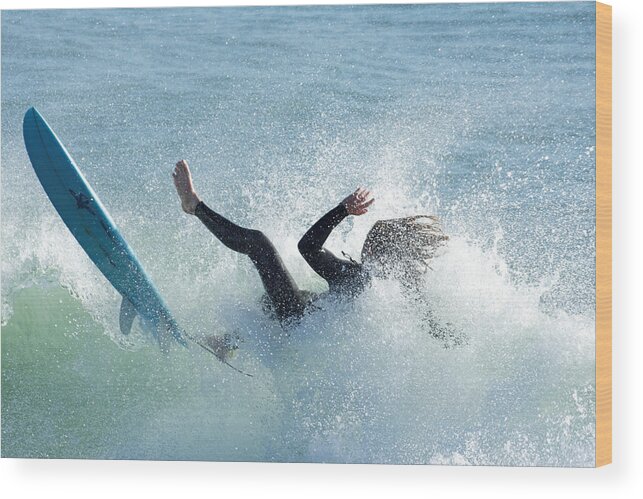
287,300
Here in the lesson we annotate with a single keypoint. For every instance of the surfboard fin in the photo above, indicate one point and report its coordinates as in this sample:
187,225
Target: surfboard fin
126,317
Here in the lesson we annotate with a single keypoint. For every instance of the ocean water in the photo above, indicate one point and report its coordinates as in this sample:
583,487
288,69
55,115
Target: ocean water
482,114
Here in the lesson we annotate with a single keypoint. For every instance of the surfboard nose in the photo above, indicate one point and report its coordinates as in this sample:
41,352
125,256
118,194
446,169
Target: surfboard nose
32,116
31,113
31,121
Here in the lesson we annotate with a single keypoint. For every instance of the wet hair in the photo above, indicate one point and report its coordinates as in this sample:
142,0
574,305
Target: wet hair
403,247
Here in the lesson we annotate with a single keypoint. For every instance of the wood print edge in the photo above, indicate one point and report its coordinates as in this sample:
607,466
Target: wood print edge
603,234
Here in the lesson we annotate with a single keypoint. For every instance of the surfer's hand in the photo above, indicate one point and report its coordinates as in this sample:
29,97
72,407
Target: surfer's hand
358,202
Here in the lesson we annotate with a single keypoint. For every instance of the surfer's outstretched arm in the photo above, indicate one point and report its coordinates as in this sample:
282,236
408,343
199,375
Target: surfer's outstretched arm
311,245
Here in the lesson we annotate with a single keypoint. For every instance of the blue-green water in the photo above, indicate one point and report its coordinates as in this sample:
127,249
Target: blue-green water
482,114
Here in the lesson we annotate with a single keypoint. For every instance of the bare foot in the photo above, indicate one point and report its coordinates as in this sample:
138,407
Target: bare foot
184,188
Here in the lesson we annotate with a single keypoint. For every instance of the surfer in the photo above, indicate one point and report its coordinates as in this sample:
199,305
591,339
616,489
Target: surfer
399,248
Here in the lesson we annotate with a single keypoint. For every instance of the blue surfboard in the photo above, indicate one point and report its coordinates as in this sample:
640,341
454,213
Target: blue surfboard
90,223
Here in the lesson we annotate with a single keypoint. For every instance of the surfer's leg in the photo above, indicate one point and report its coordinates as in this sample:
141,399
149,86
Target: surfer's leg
235,237
277,281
